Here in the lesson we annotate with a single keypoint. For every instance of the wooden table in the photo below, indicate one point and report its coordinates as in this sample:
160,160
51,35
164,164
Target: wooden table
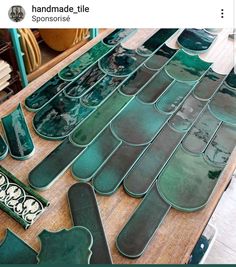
174,240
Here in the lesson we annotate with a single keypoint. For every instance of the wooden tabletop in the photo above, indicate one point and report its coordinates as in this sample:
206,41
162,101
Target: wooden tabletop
174,240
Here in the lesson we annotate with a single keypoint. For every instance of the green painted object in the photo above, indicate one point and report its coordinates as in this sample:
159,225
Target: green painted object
17,134
142,225
20,201
146,170
14,250
3,148
185,67
54,165
71,246
187,182
85,212
118,35
231,79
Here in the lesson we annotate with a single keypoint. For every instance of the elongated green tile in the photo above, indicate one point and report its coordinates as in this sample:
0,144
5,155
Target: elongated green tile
3,148
187,181
145,171
45,93
223,104
85,212
153,89
138,123
185,67
86,132
111,175
18,136
173,96
54,165
196,40
118,35
20,201
101,91
160,57
155,41
142,225
231,79
71,246
186,114
208,85
89,58
222,145
94,156
14,250
201,133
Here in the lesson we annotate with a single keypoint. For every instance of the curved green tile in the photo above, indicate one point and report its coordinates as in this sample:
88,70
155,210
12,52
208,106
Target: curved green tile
3,148
118,35
187,181
185,67
145,171
18,136
142,225
231,79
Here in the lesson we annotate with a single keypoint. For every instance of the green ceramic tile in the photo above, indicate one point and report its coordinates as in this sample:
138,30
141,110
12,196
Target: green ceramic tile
155,41
231,79
186,114
118,35
185,67
145,171
3,148
20,201
14,250
160,57
223,104
201,133
174,96
155,87
139,230
111,175
196,40
208,85
138,123
54,165
44,93
188,181
85,212
95,156
82,63
87,131
71,246
221,146
17,134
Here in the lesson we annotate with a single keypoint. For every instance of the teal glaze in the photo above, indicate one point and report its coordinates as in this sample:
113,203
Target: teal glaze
3,148
118,35
231,79
17,134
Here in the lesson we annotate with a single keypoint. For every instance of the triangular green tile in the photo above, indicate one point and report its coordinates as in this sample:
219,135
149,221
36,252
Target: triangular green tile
231,79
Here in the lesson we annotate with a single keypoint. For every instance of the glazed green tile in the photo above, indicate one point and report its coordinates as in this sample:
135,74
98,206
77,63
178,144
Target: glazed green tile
136,81
44,93
160,57
187,182
174,96
188,112
118,35
196,40
145,171
85,212
20,201
138,123
142,225
71,246
155,87
89,58
101,91
221,146
201,133
17,134
111,175
3,148
231,79
94,156
186,68
89,129
155,41
223,104
14,250
54,165
208,85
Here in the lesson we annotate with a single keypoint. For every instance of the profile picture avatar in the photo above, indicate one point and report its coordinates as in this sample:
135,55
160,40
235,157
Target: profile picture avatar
16,13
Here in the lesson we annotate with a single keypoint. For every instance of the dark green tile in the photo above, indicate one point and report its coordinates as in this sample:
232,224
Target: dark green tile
231,79
118,35
3,148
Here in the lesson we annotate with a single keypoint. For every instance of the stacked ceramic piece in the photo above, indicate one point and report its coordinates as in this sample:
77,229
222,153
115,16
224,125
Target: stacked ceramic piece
5,76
